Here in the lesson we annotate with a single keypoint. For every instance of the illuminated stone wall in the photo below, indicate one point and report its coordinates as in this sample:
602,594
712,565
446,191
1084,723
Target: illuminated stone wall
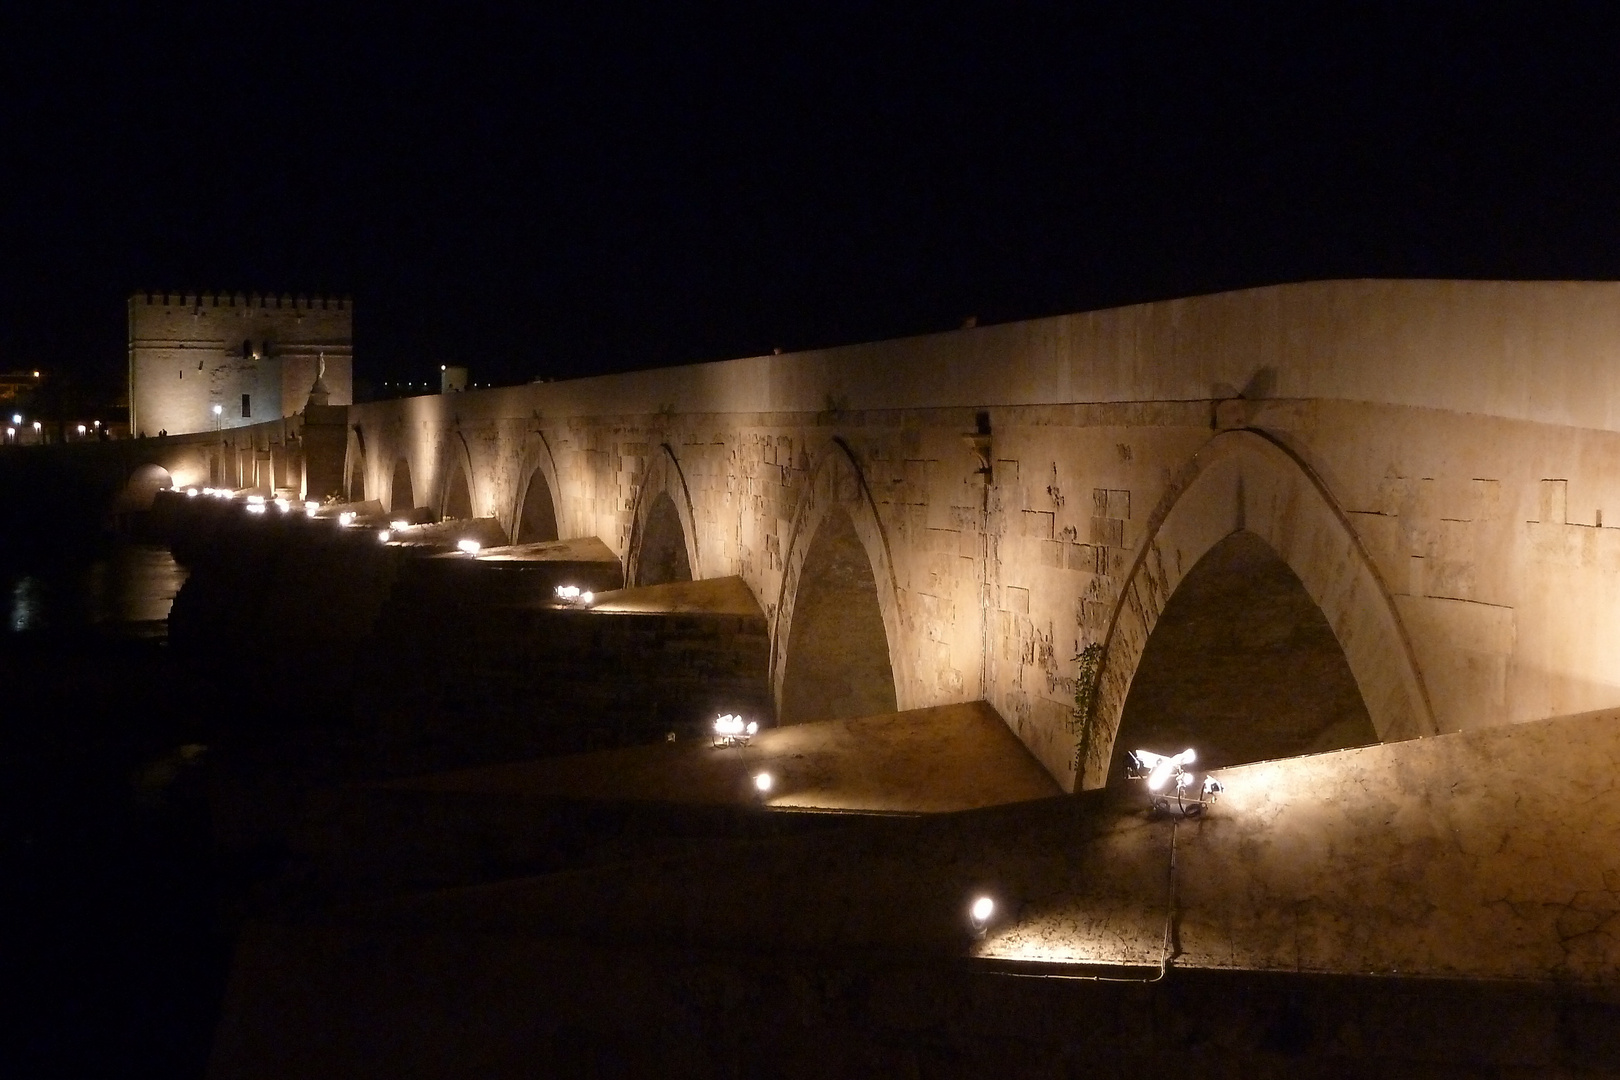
186,355
1431,459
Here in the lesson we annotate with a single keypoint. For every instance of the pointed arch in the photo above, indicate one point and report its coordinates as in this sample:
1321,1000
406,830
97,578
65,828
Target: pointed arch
837,484
354,468
1243,480
537,483
457,492
664,477
401,495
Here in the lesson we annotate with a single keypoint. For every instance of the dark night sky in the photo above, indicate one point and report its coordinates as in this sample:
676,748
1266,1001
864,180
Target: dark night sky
539,194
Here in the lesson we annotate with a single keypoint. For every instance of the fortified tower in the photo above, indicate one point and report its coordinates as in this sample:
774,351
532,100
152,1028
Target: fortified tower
253,356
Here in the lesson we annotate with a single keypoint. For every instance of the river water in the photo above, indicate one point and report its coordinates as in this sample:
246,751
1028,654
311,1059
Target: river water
115,930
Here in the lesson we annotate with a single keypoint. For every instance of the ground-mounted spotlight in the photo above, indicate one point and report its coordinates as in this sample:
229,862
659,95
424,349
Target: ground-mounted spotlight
398,525
471,547
1173,789
255,508
283,505
255,500
980,913
574,596
763,782
732,730
191,493
383,536
346,518
310,506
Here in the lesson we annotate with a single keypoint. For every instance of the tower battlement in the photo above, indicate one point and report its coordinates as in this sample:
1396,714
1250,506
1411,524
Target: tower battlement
266,301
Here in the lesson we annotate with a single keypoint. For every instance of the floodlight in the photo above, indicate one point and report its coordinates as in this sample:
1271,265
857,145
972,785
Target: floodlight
471,547
586,599
311,506
398,525
568,592
191,493
763,783
346,518
255,508
16,418
81,429
283,505
731,730
1161,771
383,536
256,500
219,409
979,914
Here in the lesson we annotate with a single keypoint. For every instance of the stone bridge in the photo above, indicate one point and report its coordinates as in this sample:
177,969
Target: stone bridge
1010,513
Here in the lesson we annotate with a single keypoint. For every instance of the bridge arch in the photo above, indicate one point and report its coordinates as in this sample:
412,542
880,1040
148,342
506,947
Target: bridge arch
140,488
456,500
663,530
355,468
837,520
534,514
1239,481
401,496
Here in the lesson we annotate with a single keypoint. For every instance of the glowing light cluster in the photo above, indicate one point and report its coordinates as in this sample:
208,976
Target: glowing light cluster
731,729
255,508
575,596
283,505
311,506
471,547
1170,784
346,518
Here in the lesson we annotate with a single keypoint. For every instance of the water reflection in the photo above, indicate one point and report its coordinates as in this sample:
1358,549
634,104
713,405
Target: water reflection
125,590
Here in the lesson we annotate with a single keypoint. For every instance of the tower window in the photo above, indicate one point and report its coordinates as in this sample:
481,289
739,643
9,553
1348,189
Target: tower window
246,411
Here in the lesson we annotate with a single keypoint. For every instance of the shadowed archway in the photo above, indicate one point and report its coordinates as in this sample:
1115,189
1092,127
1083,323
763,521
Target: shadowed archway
1242,480
662,557
138,492
537,521
1243,666
400,496
457,496
838,652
